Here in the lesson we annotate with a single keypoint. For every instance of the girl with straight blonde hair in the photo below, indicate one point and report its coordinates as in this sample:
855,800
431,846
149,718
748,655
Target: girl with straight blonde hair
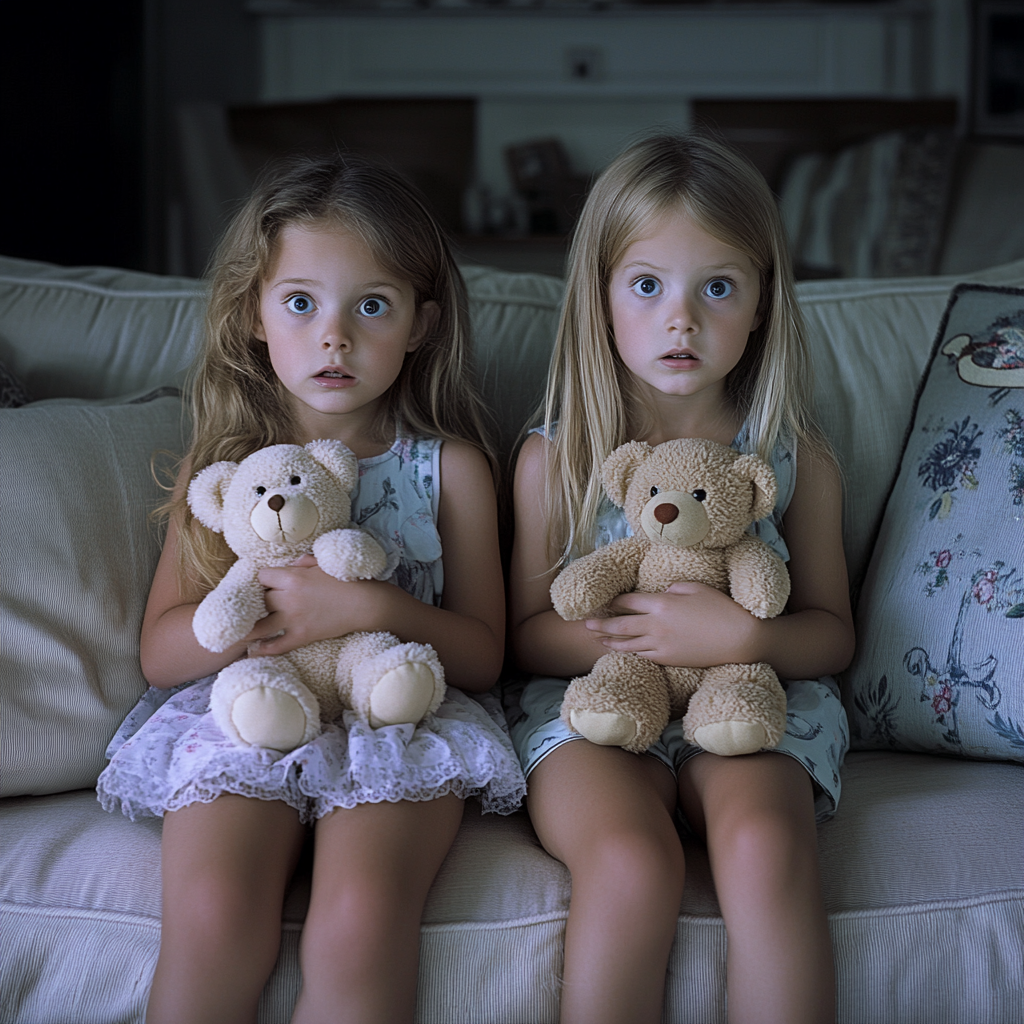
680,320
336,312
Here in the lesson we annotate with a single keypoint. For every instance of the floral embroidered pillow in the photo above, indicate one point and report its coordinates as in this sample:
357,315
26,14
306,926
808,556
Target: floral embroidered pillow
940,660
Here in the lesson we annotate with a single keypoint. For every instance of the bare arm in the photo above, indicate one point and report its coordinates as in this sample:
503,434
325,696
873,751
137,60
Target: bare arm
467,631
542,640
694,625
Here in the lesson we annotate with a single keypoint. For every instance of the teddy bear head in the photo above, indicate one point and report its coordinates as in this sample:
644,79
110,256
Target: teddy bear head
690,492
278,500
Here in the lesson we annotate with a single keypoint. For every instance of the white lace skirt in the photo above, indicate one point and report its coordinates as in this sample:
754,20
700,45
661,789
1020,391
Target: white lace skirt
169,753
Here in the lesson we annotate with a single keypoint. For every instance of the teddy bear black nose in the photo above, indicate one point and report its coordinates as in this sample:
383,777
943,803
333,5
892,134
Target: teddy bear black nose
666,513
275,502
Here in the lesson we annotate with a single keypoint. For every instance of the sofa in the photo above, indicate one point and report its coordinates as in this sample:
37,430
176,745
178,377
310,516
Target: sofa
923,865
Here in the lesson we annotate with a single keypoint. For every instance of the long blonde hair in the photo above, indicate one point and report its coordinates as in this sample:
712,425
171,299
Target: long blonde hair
239,405
592,402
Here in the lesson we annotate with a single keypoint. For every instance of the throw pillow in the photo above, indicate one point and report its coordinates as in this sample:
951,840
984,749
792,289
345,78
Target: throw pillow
77,555
940,662
875,209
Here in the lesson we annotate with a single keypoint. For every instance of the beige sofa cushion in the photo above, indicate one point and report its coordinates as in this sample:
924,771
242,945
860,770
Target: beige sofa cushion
923,855
76,568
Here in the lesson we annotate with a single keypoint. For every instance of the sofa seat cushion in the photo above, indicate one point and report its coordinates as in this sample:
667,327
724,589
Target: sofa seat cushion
922,874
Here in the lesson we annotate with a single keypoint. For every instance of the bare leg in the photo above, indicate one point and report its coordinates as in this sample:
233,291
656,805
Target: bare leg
757,812
225,866
372,870
607,815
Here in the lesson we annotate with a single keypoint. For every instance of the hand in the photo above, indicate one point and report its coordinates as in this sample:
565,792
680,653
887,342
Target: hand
689,625
305,604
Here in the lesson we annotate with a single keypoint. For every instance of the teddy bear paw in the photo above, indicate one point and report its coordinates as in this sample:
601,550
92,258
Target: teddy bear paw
267,717
402,695
606,728
731,738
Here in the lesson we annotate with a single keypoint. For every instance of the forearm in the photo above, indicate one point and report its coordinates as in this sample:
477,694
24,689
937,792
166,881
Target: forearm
802,645
170,653
470,651
548,645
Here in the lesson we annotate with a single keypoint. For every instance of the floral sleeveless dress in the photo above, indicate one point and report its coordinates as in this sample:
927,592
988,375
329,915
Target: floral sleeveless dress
817,734
169,752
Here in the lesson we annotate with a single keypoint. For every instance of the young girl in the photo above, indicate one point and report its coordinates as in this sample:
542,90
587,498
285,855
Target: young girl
335,311
680,321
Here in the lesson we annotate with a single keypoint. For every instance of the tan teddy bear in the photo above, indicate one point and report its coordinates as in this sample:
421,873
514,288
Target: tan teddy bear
689,503
279,503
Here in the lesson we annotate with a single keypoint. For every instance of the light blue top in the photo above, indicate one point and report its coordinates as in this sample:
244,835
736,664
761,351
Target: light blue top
397,504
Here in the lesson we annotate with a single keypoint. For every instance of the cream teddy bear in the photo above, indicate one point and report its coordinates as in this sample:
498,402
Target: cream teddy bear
689,503
279,503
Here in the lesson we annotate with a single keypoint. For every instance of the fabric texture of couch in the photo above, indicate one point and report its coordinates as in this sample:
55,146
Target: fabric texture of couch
922,865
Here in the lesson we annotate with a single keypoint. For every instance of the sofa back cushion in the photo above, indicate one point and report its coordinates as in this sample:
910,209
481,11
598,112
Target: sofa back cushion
93,332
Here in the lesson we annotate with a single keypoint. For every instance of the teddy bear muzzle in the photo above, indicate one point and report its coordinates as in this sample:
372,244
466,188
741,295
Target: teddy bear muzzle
676,518
282,519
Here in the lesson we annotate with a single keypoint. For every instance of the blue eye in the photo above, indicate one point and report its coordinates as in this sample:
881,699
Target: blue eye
719,288
647,286
299,303
373,307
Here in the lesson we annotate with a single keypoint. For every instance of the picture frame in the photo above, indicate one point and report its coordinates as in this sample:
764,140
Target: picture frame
998,86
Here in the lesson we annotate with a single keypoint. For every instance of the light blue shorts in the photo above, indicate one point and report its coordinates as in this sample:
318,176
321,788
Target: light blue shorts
817,734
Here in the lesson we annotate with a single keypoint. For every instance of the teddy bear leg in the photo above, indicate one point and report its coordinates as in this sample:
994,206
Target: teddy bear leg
683,683
623,702
738,709
261,702
391,683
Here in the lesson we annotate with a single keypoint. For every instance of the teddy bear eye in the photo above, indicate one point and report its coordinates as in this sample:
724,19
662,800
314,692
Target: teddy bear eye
699,494
295,480
261,491
654,491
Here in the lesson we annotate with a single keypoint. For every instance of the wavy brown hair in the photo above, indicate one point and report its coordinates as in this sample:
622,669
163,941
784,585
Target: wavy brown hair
238,404
591,395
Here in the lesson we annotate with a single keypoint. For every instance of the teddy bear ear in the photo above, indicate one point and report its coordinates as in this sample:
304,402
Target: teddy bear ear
761,476
207,491
337,459
619,467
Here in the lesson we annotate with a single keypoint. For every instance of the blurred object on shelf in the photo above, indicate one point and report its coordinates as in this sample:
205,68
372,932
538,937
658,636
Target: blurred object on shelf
543,176
484,213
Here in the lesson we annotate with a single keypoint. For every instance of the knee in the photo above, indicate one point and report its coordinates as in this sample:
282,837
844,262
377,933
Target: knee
358,920
632,865
221,916
768,844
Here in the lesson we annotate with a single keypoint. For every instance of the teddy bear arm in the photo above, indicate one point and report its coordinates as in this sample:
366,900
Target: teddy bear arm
758,578
231,609
586,585
350,554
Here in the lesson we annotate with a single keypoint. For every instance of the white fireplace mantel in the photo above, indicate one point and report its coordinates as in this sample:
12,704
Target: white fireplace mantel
722,50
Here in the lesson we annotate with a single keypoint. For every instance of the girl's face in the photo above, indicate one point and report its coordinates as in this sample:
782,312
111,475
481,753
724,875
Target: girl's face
682,307
338,327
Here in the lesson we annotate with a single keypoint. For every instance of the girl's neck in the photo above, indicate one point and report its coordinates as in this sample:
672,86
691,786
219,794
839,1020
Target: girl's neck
667,417
360,433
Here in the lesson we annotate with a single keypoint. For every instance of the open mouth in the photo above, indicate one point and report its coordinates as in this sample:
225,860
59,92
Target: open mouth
334,378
